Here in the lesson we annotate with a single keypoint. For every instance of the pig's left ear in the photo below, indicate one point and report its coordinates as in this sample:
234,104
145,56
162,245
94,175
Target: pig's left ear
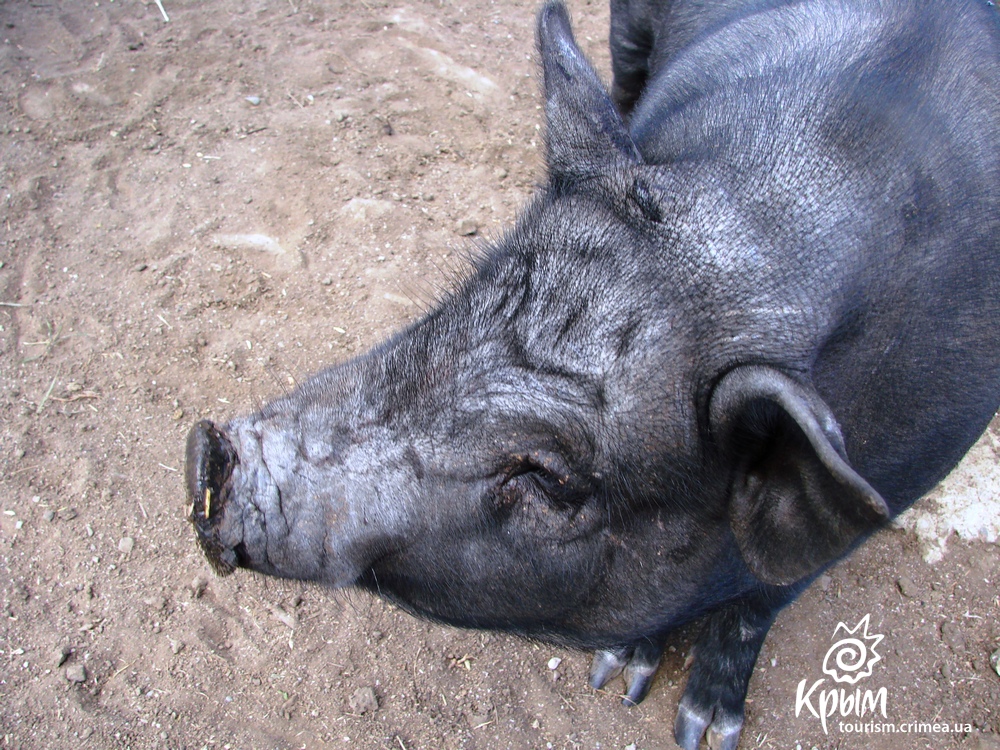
585,133
795,502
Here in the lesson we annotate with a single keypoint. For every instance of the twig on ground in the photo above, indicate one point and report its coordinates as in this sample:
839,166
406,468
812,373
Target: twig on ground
48,343
45,398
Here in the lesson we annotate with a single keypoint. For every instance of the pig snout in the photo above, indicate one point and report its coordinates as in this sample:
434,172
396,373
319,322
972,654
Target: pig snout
211,459
280,495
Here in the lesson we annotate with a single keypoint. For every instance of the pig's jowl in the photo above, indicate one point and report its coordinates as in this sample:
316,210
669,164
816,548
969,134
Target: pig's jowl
752,313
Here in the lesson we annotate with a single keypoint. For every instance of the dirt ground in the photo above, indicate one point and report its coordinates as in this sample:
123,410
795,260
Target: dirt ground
196,214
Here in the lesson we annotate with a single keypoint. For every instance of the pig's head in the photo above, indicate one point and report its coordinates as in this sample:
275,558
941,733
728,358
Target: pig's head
571,444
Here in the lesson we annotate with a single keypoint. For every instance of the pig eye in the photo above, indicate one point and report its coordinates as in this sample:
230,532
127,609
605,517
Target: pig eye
547,474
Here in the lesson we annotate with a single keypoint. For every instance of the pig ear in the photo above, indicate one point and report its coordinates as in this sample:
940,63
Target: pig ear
796,503
585,133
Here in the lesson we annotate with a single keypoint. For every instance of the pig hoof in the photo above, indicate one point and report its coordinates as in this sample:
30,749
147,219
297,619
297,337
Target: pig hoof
639,673
607,665
639,665
690,726
724,735
722,728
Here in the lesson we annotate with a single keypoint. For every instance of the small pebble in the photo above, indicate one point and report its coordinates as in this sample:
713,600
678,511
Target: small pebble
140,267
476,721
364,701
254,100
176,647
288,707
995,661
126,545
824,582
178,414
953,636
467,227
76,673
198,586
554,662
68,514
907,587
61,654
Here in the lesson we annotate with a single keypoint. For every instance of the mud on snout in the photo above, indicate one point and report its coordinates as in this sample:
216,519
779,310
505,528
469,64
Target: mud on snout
209,464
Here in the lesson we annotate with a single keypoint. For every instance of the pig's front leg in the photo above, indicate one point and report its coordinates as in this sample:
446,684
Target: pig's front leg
724,658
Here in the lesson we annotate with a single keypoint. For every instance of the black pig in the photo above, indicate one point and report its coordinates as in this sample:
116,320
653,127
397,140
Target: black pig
724,343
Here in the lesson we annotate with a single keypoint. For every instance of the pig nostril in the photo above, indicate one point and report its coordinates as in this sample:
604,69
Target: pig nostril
209,464
242,556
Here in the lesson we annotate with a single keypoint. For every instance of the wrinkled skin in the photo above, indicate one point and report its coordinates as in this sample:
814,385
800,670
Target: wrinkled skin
751,315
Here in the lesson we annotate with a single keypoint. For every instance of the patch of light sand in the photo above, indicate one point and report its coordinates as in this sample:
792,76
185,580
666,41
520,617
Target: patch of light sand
966,503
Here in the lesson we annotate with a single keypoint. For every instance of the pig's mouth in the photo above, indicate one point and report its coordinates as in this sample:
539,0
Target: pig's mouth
211,459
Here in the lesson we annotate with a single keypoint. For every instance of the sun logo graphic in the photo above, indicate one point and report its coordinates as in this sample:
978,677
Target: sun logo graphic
852,658
849,661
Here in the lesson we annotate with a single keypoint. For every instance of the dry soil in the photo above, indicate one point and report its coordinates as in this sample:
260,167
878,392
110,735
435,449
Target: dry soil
195,215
